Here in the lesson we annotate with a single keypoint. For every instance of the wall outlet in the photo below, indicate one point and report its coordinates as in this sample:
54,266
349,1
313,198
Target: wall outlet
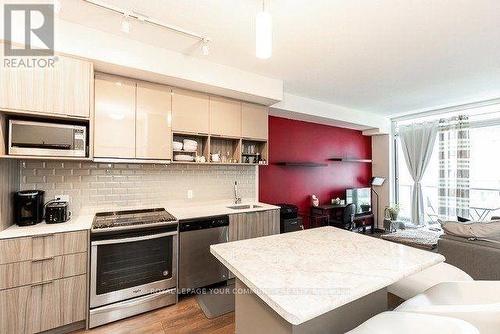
189,194
62,198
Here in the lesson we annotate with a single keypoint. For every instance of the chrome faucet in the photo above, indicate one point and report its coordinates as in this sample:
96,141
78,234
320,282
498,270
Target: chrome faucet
237,200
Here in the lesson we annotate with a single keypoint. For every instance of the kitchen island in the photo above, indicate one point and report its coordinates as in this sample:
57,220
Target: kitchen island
322,280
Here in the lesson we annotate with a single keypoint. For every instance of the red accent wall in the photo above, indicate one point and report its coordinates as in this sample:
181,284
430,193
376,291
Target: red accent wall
291,140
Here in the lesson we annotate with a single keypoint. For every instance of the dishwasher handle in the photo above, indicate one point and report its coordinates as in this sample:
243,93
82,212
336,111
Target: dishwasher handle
203,223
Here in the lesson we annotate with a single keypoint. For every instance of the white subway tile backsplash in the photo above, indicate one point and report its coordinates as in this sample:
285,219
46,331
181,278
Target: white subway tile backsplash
105,185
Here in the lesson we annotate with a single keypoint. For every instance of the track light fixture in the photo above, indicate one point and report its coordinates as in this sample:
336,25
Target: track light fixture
128,16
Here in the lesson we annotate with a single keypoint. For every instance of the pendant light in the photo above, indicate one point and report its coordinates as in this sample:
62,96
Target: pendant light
263,34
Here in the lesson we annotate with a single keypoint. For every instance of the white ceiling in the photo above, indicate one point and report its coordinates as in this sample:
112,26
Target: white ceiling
383,56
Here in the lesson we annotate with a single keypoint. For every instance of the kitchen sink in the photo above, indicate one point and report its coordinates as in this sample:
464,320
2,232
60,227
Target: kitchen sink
244,207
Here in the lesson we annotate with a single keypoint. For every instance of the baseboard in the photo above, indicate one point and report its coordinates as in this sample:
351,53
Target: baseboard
66,328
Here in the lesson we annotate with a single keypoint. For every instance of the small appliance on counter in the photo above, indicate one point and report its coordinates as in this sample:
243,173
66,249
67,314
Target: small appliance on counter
289,218
28,207
57,212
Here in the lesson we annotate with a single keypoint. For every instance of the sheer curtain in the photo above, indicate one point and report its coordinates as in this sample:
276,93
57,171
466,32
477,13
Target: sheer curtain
417,143
454,167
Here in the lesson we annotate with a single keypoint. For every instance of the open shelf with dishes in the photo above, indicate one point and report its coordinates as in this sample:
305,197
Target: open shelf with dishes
254,151
188,147
225,150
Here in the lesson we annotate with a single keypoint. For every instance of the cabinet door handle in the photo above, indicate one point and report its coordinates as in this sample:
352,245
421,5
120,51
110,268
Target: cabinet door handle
42,283
39,260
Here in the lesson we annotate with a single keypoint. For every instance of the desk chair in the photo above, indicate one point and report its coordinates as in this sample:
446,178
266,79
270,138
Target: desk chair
346,219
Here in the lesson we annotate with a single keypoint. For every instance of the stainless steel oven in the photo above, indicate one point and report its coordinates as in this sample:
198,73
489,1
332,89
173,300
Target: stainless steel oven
47,139
133,266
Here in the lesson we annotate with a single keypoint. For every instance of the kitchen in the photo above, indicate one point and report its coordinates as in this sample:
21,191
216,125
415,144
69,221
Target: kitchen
102,166
140,182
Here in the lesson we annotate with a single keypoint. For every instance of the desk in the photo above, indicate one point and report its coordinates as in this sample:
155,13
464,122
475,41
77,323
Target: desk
361,220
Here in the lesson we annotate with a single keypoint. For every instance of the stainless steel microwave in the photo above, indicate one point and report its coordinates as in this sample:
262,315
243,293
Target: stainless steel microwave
47,139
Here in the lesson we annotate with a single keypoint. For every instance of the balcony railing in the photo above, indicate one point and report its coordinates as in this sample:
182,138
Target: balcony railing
479,197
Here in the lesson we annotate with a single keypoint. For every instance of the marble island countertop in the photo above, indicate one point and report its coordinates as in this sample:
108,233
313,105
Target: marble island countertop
305,274
83,221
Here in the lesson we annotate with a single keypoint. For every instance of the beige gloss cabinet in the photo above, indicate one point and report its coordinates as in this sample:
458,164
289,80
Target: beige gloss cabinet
114,124
64,89
225,117
190,111
254,121
153,122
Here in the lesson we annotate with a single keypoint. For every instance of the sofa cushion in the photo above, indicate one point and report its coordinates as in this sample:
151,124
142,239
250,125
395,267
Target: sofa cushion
485,230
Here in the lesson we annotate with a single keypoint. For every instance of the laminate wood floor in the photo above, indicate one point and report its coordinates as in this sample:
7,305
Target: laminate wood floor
184,317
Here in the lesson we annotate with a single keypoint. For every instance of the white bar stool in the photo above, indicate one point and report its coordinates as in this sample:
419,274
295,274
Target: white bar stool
411,286
411,323
476,302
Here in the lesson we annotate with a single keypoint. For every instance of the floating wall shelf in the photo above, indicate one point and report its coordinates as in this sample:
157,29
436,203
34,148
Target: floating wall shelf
351,160
301,164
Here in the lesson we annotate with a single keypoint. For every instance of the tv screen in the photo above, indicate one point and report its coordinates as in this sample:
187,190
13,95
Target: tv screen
362,199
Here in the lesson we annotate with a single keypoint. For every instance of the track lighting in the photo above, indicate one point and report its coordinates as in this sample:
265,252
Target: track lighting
129,15
125,24
57,6
205,47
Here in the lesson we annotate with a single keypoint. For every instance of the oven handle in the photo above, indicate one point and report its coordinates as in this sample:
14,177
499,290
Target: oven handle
120,241
130,303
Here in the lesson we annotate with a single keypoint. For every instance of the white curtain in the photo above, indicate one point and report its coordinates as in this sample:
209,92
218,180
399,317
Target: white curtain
417,142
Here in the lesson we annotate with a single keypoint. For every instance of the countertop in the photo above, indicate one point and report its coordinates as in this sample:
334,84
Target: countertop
302,275
81,222
181,211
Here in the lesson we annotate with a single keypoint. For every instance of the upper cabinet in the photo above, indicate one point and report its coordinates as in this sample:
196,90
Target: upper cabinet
114,123
225,117
63,90
254,123
132,119
153,122
190,111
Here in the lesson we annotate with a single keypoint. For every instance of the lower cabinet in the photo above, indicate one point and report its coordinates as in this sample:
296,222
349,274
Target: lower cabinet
253,224
43,282
43,306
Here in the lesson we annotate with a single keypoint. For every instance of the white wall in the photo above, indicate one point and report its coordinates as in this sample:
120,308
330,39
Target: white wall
121,55
310,110
382,151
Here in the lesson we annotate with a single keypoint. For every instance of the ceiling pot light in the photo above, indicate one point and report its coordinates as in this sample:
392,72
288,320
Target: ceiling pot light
263,34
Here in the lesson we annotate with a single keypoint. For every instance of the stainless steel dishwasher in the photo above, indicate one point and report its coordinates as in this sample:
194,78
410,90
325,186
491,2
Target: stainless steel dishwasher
197,266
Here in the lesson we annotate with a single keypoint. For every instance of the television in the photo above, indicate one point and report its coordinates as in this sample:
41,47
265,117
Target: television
362,199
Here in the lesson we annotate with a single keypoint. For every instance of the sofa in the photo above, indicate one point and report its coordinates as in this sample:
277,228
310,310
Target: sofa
478,258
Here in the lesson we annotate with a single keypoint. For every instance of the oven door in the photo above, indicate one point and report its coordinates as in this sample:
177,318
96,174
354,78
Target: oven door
131,264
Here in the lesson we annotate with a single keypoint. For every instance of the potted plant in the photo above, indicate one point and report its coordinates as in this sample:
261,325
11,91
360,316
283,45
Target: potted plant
392,212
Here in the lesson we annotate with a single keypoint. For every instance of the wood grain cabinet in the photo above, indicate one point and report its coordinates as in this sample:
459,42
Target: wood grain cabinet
254,121
225,117
253,224
64,89
153,122
43,282
190,111
114,123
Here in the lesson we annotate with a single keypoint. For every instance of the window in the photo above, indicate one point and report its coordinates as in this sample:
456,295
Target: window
484,179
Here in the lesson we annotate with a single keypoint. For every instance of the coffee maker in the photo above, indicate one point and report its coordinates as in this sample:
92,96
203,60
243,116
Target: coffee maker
28,207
